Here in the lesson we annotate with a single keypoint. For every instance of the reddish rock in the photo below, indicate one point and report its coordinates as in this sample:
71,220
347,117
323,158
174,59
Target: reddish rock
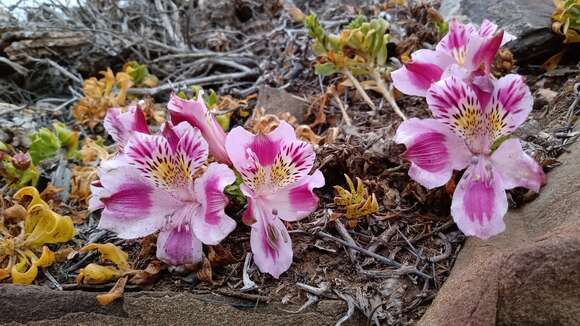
529,275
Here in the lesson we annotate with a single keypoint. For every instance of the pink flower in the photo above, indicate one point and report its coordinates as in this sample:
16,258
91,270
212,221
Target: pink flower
152,185
465,52
196,114
122,125
461,136
275,169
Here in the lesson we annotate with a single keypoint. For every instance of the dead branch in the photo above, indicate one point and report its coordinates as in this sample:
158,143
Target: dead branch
378,257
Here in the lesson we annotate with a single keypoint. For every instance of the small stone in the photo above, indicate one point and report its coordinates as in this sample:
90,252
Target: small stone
277,101
543,96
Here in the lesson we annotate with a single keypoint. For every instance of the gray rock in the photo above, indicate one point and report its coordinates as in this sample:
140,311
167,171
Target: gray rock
276,101
35,305
529,20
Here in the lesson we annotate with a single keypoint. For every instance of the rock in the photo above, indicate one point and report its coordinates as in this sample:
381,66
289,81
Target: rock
529,20
528,274
36,305
276,101
543,96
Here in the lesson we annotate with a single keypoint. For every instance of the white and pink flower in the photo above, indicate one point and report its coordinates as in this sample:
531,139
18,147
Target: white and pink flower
465,52
157,183
462,135
275,169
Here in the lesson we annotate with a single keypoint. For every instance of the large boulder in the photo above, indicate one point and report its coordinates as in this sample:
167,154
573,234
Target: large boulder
529,20
529,274
34,305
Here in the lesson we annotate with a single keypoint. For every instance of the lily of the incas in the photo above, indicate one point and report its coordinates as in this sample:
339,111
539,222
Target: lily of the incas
275,168
157,183
196,114
465,52
462,135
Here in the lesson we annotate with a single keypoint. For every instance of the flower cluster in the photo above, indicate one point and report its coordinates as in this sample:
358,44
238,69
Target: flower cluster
473,115
162,182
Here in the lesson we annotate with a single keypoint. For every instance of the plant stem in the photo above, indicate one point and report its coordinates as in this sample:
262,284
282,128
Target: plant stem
387,94
359,88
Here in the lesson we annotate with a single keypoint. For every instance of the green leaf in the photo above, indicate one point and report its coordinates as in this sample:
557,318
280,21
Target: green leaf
210,99
357,22
137,72
234,192
3,147
45,144
68,138
325,69
63,133
224,120
182,95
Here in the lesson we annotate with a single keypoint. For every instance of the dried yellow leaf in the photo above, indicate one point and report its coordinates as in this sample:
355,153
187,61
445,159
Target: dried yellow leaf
47,226
114,293
82,178
16,212
31,192
92,151
110,252
41,226
356,201
23,272
46,259
98,274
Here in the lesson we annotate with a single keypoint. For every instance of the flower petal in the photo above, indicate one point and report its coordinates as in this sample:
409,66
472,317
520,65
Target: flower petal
296,201
196,114
479,202
168,169
179,246
271,245
121,125
213,225
293,163
425,68
481,51
240,142
456,41
433,149
510,105
516,168
487,28
133,207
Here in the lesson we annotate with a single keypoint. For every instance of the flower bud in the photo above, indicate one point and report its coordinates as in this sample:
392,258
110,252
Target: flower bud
21,161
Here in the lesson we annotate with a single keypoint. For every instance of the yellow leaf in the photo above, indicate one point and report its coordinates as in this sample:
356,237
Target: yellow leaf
49,227
98,274
23,272
46,259
110,252
31,192
114,293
